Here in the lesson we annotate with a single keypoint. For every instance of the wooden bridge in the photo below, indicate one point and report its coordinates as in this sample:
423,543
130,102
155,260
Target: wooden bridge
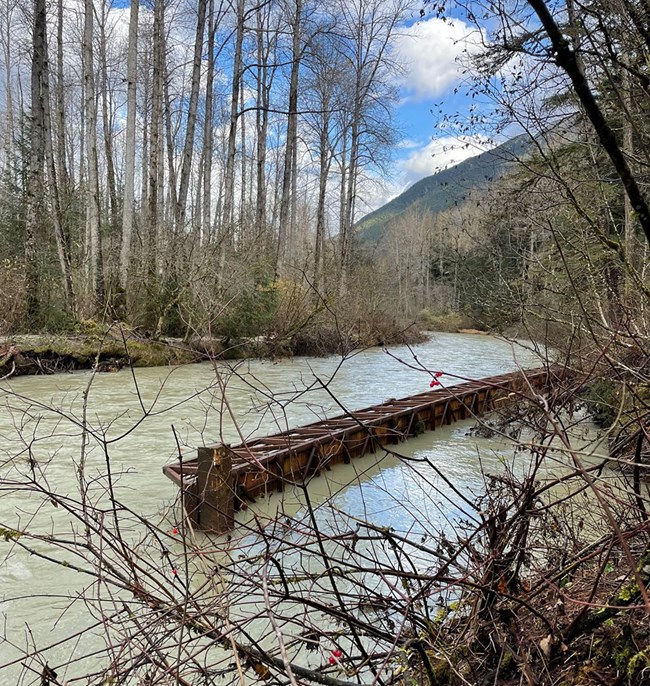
222,477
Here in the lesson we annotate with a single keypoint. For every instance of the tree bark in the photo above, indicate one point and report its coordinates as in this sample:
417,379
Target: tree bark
290,143
229,185
262,119
59,94
96,290
35,186
60,234
155,143
107,130
129,157
171,132
208,131
243,179
190,126
325,161
8,143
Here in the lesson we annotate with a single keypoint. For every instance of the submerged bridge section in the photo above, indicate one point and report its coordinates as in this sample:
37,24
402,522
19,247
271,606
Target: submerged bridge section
222,477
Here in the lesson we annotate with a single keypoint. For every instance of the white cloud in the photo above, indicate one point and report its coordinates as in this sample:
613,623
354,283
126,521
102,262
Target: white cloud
440,154
408,144
372,196
430,53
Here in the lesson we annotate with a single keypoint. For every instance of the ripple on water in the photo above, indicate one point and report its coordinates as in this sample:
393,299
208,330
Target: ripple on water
13,570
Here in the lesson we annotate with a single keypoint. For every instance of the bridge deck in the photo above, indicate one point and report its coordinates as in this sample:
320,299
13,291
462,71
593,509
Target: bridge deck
222,478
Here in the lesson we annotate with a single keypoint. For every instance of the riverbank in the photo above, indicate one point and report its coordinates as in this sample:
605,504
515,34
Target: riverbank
111,348
582,622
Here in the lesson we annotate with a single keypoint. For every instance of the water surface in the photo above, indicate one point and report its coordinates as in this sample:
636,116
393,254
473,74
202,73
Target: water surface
135,422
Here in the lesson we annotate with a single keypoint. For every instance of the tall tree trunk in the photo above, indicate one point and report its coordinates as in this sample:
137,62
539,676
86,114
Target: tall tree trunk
632,248
290,143
60,234
96,291
242,197
129,157
208,130
8,143
59,108
146,116
170,138
35,186
262,119
343,211
107,129
348,210
293,248
196,210
227,219
229,185
155,135
188,148
325,161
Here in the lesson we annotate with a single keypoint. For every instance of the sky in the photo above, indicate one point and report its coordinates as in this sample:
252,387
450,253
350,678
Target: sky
431,53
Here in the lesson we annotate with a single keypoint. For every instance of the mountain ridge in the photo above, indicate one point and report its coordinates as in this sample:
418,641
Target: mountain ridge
444,189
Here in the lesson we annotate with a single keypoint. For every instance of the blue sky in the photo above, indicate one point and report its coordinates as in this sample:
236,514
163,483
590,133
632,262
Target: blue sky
433,87
432,53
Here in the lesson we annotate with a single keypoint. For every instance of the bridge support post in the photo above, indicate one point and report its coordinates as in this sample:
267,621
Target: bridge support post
214,481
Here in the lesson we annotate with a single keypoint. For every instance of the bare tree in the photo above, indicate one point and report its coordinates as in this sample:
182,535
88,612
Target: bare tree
567,60
61,235
190,125
129,162
369,27
228,212
6,39
325,67
287,218
153,219
266,41
95,265
58,126
208,127
35,186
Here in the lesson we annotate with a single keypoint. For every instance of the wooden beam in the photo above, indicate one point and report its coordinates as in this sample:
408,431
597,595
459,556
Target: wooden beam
214,481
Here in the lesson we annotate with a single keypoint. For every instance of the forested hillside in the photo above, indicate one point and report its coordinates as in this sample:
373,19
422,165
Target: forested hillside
447,188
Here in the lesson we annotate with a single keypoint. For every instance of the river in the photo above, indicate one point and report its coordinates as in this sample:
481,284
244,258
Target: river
137,422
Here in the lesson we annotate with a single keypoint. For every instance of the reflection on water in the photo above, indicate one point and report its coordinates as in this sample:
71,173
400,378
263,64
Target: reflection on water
139,421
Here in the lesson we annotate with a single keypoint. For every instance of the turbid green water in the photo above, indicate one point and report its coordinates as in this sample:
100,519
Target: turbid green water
138,422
